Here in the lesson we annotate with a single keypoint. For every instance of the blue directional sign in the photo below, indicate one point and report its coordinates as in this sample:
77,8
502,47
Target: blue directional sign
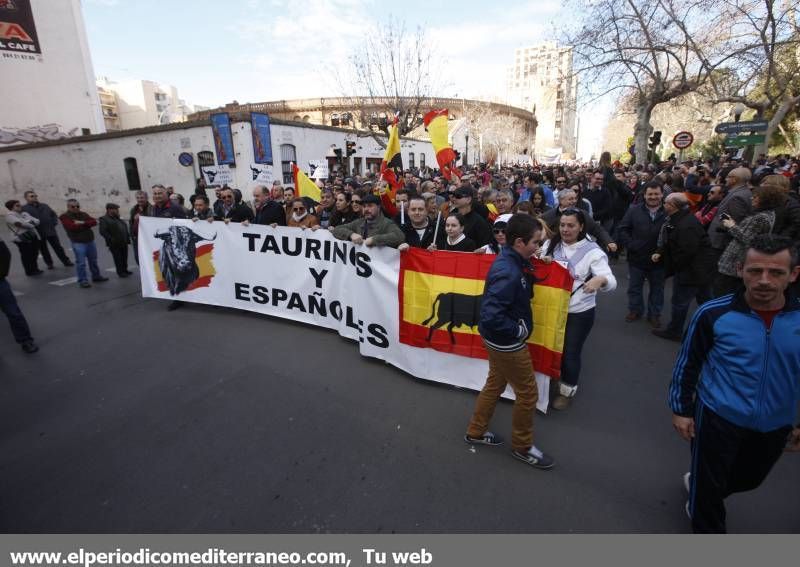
186,159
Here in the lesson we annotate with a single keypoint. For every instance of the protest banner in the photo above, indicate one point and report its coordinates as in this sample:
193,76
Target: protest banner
392,304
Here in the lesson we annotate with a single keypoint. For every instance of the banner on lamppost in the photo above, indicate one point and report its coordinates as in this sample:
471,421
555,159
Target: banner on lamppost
17,28
223,138
262,143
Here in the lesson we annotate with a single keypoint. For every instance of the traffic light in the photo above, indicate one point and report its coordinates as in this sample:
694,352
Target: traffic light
458,155
655,139
338,153
351,148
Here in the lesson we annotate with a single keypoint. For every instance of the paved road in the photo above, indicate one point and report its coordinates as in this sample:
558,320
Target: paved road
133,419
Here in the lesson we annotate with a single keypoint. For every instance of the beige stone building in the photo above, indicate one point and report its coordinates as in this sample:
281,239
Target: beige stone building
541,80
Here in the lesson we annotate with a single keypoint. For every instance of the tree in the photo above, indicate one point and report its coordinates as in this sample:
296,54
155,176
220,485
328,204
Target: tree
765,76
392,71
652,50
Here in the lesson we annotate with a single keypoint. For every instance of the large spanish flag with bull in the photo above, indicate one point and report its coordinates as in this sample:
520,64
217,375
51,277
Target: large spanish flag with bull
205,269
440,296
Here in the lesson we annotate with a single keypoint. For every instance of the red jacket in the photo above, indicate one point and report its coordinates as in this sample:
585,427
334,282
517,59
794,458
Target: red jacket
78,226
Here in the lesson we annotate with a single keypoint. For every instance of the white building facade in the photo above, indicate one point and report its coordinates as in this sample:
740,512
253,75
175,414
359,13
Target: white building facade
541,81
111,167
47,80
145,103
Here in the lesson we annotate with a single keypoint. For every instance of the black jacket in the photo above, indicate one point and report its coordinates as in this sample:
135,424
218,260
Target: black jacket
601,203
476,228
115,231
787,220
621,195
237,213
593,228
48,219
413,238
271,213
5,260
687,251
639,234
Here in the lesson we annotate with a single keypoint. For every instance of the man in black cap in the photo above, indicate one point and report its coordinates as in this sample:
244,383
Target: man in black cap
372,229
117,236
475,226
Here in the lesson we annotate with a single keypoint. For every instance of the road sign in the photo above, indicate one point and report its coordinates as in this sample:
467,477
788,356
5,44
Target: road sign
186,159
682,140
741,141
738,127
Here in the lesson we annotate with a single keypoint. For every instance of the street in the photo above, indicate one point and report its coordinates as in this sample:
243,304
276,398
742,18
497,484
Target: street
135,419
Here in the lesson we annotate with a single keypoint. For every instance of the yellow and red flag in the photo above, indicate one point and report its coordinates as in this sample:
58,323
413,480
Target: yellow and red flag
205,266
303,186
436,125
392,164
440,295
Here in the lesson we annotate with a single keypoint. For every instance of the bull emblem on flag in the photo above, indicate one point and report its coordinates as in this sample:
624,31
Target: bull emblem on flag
177,260
454,310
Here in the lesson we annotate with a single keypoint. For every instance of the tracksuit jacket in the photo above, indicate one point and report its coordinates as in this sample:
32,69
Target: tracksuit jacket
742,371
506,319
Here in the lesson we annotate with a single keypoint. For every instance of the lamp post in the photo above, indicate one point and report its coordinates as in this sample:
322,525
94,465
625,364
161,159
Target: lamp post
466,150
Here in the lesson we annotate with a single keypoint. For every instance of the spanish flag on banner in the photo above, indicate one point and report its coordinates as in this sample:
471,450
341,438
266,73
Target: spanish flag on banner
436,125
202,259
303,186
440,297
392,164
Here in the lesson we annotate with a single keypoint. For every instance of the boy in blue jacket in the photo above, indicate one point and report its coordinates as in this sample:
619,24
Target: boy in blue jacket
506,323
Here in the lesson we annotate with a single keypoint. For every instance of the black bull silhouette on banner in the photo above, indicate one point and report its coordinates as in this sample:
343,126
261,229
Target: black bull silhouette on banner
177,258
454,310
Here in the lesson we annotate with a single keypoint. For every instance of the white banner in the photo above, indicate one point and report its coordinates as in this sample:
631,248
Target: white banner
303,275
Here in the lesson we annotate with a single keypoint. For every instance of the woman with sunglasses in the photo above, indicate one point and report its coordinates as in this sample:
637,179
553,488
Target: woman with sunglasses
299,216
588,265
498,236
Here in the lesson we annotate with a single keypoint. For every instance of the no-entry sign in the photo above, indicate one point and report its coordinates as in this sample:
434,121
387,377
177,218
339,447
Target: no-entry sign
682,140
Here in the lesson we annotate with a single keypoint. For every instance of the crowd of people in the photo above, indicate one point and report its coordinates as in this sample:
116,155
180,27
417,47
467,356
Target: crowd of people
697,223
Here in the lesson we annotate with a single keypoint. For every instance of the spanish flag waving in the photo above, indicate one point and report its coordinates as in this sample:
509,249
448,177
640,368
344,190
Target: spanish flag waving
440,301
436,124
303,186
392,164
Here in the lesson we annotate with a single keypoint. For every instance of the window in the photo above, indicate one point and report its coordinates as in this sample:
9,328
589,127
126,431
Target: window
205,159
132,174
411,159
421,160
288,155
344,119
334,119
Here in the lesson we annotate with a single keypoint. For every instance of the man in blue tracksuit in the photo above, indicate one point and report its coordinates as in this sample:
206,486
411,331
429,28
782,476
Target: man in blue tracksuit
505,324
736,383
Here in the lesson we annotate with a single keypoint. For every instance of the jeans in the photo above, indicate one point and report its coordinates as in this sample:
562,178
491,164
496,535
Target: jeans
85,251
682,296
8,305
514,368
56,244
655,299
579,325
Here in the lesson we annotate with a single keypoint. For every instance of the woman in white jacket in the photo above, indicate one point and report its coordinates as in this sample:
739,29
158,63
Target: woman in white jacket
588,265
23,227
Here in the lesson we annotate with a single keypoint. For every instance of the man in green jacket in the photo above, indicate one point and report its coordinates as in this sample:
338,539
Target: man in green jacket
372,229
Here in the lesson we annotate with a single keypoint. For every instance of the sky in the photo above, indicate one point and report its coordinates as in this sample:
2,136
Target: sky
215,52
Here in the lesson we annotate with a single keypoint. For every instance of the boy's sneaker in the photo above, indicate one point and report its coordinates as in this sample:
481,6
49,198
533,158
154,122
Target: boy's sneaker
687,479
487,438
535,458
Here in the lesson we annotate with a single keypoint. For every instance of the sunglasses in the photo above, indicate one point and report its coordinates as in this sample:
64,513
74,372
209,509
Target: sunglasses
298,209
499,230
356,202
